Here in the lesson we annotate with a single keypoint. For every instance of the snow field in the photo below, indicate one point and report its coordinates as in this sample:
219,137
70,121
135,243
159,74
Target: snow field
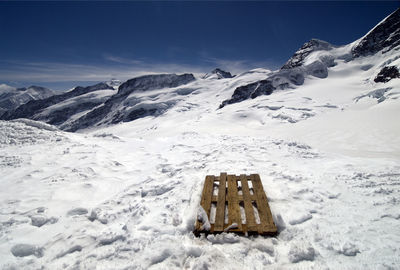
106,201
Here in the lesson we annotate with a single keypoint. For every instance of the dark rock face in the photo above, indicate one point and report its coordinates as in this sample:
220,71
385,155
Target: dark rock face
252,90
313,45
33,107
386,74
282,79
222,74
149,82
384,36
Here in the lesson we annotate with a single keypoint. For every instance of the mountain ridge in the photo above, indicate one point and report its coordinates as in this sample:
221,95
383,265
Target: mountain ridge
143,96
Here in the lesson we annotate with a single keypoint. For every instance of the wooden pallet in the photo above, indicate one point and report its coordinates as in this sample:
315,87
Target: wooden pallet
243,198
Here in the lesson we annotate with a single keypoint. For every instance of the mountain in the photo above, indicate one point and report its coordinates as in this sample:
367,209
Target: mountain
58,109
115,83
84,107
11,98
218,74
315,57
143,96
126,106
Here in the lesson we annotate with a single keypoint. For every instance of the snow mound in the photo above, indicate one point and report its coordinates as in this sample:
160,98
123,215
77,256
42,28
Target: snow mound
36,124
23,250
301,252
27,132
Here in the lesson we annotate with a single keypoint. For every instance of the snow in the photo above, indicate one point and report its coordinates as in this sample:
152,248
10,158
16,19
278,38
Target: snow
203,218
126,196
23,250
301,252
232,226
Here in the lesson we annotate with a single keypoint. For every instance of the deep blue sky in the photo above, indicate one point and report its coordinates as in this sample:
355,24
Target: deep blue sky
61,44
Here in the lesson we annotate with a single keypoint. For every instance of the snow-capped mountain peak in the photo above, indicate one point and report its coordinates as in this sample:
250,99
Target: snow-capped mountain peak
115,83
311,46
218,74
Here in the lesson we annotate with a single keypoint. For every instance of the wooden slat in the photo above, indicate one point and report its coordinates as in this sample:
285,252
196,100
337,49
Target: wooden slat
206,197
220,212
233,203
214,199
248,207
264,211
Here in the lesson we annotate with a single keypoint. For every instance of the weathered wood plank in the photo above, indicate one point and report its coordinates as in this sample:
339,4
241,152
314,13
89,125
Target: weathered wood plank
206,198
214,199
233,203
248,207
264,211
228,193
220,212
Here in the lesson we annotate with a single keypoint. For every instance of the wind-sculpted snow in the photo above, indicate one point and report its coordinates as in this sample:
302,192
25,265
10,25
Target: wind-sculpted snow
137,197
18,132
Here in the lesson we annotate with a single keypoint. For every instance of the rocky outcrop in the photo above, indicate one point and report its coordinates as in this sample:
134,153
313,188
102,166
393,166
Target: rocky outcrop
279,80
384,37
386,74
252,90
313,45
158,81
291,74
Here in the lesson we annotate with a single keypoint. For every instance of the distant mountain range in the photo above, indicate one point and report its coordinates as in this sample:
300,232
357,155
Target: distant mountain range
11,98
153,95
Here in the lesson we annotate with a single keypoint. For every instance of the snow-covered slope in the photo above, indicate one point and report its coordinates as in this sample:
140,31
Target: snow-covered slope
125,195
11,97
63,108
